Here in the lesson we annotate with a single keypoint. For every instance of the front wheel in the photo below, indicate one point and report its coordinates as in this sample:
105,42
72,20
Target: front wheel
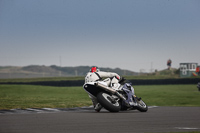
108,102
142,107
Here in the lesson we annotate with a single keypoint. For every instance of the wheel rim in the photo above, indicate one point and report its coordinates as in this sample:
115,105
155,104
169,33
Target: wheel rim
142,104
105,95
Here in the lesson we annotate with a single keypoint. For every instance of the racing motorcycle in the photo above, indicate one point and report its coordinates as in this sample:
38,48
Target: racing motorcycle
115,100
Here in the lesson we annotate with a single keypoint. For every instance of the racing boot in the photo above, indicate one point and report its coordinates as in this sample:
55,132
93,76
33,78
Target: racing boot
97,107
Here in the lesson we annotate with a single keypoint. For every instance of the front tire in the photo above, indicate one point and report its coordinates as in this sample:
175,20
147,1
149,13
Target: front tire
106,101
142,107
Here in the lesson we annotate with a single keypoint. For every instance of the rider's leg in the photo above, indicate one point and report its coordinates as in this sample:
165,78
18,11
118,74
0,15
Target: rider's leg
115,83
107,81
97,106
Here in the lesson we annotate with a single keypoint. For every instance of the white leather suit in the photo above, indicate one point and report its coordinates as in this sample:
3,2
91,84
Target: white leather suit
95,76
111,80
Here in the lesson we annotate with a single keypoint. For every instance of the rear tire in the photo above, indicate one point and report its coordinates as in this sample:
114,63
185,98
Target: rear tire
105,100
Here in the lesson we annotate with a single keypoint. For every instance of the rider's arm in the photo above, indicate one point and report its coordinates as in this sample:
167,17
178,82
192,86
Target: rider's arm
108,74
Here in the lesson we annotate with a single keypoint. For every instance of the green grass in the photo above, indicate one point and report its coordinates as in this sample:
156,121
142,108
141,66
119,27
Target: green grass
169,95
149,76
30,96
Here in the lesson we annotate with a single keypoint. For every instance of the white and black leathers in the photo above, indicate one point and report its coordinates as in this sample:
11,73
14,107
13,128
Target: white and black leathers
112,80
95,76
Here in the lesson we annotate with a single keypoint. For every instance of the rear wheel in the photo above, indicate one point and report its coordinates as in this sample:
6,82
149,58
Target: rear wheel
108,102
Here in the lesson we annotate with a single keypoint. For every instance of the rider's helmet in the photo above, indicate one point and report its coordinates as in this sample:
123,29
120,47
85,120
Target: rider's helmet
94,69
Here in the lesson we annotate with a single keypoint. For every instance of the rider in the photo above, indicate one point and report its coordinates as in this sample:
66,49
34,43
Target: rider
95,75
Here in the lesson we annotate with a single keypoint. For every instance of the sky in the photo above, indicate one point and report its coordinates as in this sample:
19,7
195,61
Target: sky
137,35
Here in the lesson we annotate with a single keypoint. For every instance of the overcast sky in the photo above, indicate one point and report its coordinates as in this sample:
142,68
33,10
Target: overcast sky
128,34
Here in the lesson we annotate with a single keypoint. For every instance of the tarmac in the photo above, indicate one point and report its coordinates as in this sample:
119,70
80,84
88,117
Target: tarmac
86,120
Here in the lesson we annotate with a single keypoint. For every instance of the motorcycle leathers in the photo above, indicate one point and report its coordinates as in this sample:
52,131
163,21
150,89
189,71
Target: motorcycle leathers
112,80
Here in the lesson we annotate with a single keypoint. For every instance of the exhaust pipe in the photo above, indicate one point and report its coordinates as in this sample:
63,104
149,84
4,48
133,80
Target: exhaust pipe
109,89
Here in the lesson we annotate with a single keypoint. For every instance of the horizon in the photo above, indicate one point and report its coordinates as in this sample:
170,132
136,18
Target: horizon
87,66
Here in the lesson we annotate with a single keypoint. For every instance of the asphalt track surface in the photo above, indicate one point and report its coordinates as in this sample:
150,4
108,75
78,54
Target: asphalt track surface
157,119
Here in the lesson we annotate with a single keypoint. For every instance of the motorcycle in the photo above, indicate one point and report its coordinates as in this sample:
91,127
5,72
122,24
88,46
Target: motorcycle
115,100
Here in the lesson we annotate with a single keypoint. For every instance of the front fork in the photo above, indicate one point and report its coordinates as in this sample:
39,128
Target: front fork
132,101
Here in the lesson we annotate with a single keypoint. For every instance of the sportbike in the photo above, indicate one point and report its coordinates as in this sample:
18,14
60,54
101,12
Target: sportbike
115,100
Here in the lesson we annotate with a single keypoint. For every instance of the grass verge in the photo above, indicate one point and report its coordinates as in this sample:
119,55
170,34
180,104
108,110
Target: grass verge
30,96
169,95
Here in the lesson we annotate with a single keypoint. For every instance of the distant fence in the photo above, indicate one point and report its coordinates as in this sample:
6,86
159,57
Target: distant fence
134,82
51,83
165,81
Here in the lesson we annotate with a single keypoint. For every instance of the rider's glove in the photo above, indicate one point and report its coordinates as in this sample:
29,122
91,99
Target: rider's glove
122,79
